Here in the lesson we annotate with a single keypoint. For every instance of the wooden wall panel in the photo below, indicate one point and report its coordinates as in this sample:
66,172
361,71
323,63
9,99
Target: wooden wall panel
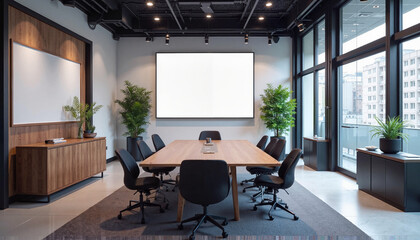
34,33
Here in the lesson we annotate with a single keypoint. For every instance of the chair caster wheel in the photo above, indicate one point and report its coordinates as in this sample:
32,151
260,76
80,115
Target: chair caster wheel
142,221
270,218
192,237
244,190
161,210
295,218
242,183
119,216
225,235
180,227
255,208
224,223
253,199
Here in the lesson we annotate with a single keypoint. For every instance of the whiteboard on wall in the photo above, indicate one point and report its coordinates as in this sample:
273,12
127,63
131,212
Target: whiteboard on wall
42,84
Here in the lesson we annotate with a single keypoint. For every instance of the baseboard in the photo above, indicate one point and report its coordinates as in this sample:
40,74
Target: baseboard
111,159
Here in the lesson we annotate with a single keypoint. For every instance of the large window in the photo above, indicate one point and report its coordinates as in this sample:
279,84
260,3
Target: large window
308,105
361,23
320,46
320,76
308,50
411,93
362,100
411,13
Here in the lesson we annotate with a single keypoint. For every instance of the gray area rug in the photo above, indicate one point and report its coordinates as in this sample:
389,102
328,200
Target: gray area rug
316,220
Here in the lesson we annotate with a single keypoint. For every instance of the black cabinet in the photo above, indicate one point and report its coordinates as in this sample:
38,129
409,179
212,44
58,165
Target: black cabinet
393,178
315,153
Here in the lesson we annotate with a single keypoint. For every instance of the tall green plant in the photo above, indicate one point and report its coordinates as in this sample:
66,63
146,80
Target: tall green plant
278,109
135,108
391,129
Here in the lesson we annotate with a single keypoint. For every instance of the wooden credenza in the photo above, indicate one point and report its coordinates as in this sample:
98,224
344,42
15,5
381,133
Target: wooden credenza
42,169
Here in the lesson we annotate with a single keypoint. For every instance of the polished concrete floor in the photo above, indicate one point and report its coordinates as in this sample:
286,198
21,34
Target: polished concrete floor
374,217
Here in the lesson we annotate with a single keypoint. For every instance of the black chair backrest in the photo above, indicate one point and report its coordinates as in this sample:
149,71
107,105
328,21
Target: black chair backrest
157,142
131,170
214,135
278,149
145,151
271,145
262,142
287,168
204,182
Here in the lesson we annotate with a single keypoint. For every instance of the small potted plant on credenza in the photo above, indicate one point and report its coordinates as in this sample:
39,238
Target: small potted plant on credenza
135,109
390,134
89,127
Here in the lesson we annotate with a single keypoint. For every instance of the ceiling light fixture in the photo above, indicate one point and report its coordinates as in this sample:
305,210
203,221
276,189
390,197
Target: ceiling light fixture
157,19
167,39
208,15
268,4
246,38
149,39
270,39
206,39
300,26
149,3
261,18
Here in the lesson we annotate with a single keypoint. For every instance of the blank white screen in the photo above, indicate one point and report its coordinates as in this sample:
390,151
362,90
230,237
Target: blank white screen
204,85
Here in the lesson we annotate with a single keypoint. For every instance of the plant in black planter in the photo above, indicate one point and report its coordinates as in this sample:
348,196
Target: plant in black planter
390,134
135,108
278,110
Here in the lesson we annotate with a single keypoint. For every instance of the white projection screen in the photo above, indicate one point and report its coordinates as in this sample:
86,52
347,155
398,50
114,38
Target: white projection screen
204,85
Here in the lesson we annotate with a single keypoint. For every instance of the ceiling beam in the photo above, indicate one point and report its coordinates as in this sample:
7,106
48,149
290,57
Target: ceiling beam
173,14
250,14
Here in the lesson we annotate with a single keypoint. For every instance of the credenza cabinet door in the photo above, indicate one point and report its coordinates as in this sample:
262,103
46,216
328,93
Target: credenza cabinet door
395,186
378,176
363,171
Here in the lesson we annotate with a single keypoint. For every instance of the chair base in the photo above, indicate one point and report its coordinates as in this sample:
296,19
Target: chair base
247,181
140,204
275,204
204,217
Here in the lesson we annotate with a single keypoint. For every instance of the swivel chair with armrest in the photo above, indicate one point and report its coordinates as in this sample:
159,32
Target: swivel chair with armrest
214,135
133,182
284,180
146,152
204,182
258,170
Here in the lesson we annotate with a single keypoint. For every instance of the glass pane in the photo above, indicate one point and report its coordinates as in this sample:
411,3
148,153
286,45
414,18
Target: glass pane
411,93
308,50
321,103
308,105
361,23
320,58
362,99
411,13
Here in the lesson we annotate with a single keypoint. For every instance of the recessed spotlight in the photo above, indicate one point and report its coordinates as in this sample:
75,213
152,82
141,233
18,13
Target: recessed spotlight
268,4
149,3
157,19
208,15
261,18
167,39
375,6
246,38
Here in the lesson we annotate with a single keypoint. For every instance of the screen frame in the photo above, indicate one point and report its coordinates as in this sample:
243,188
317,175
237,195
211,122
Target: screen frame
232,118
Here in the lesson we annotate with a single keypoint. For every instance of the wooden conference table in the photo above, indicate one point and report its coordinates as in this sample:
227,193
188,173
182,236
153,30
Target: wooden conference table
235,152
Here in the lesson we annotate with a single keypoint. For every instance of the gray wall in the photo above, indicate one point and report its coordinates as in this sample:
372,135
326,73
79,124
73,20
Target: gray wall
104,61
136,63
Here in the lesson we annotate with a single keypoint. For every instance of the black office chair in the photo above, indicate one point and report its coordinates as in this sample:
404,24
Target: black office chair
257,170
263,141
204,182
146,152
133,182
284,181
214,135
157,142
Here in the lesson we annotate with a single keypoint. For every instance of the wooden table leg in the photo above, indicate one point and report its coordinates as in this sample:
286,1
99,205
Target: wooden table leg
235,192
181,202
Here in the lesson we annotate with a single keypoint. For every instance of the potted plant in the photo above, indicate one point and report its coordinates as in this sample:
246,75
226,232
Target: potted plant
390,134
278,110
82,112
135,108
89,127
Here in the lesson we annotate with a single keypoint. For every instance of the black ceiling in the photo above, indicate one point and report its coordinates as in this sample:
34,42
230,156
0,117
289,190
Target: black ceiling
129,18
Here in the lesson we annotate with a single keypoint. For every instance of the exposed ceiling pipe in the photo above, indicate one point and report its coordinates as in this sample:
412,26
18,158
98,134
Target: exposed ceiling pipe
173,14
214,3
179,12
250,14
246,8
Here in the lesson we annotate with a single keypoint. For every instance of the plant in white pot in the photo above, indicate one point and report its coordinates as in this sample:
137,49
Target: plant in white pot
390,134
135,109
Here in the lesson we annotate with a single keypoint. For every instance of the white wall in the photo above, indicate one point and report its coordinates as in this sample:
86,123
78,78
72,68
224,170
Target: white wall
136,63
104,61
